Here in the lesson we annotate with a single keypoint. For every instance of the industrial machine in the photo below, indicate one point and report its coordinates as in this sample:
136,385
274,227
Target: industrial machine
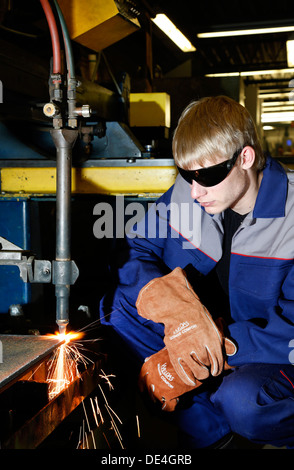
67,142
81,142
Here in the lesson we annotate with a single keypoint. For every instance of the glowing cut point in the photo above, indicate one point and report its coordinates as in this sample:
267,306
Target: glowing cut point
62,329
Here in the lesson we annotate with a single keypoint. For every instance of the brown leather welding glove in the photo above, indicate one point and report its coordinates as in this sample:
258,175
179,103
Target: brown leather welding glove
159,378
194,343
162,383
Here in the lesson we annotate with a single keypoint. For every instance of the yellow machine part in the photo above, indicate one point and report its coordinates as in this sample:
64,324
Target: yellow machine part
97,180
149,109
96,24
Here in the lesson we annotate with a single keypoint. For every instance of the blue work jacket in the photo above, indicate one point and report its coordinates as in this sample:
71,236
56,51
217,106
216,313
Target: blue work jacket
176,231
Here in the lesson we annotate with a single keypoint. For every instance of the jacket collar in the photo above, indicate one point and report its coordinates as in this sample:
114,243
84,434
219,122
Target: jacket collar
271,198
272,194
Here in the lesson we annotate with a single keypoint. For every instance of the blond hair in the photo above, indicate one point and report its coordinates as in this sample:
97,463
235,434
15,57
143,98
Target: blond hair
213,128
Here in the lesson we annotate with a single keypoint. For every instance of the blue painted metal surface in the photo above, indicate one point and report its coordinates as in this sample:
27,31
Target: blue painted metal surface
15,227
14,146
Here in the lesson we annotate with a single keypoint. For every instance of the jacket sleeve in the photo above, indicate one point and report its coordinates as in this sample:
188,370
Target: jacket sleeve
155,246
142,261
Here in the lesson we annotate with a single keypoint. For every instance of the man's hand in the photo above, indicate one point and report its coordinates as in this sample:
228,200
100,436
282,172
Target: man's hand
162,383
194,343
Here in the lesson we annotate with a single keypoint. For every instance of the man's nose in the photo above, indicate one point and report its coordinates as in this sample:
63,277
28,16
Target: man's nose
197,190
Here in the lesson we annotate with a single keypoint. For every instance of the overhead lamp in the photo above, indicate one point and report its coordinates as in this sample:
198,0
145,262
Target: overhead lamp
246,32
277,117
249,73
167,26
277,94
277,103
290,52
277,108
223,74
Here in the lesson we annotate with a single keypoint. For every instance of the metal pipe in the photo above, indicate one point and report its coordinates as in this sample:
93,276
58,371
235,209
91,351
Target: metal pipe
63,194
64,140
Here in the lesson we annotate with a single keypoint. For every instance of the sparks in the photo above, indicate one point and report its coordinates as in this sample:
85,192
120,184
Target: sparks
63,366
111,419
138,426
106,378
63,369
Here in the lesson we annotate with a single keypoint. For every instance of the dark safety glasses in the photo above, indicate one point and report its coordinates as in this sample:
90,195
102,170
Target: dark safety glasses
212,175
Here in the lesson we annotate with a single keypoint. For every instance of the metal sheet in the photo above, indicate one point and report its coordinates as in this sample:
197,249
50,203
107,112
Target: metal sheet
21,353
35,430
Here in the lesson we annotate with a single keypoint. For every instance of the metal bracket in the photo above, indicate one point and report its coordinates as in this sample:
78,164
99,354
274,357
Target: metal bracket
64,272
31,270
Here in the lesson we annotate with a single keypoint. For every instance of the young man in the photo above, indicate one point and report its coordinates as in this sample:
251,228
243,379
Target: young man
218,243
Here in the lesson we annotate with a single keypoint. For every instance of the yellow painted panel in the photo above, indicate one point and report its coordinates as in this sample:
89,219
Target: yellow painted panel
149,109
81,16
96,23
42,180
97,180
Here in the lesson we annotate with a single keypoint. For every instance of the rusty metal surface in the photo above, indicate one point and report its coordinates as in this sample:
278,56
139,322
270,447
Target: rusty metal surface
20,353
35,430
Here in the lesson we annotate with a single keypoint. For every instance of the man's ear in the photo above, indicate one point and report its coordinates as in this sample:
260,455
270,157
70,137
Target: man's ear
247,157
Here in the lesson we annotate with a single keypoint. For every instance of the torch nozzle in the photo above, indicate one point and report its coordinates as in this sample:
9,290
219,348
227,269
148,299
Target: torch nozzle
62,328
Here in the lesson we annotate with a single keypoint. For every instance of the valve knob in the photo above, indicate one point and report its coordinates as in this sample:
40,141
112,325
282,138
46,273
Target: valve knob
50,110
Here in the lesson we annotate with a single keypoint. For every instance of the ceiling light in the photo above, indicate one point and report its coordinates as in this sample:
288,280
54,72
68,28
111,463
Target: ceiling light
290,52
223,74
243,32
277,117
277,108
277,103
250,73
277,94
165,24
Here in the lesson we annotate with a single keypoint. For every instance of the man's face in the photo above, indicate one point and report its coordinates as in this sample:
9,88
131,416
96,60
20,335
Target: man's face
231,192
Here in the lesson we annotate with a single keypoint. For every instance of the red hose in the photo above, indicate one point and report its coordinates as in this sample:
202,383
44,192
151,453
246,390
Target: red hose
54,36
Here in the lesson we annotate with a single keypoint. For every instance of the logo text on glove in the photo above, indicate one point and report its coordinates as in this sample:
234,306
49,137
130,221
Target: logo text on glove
166,376
182,329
